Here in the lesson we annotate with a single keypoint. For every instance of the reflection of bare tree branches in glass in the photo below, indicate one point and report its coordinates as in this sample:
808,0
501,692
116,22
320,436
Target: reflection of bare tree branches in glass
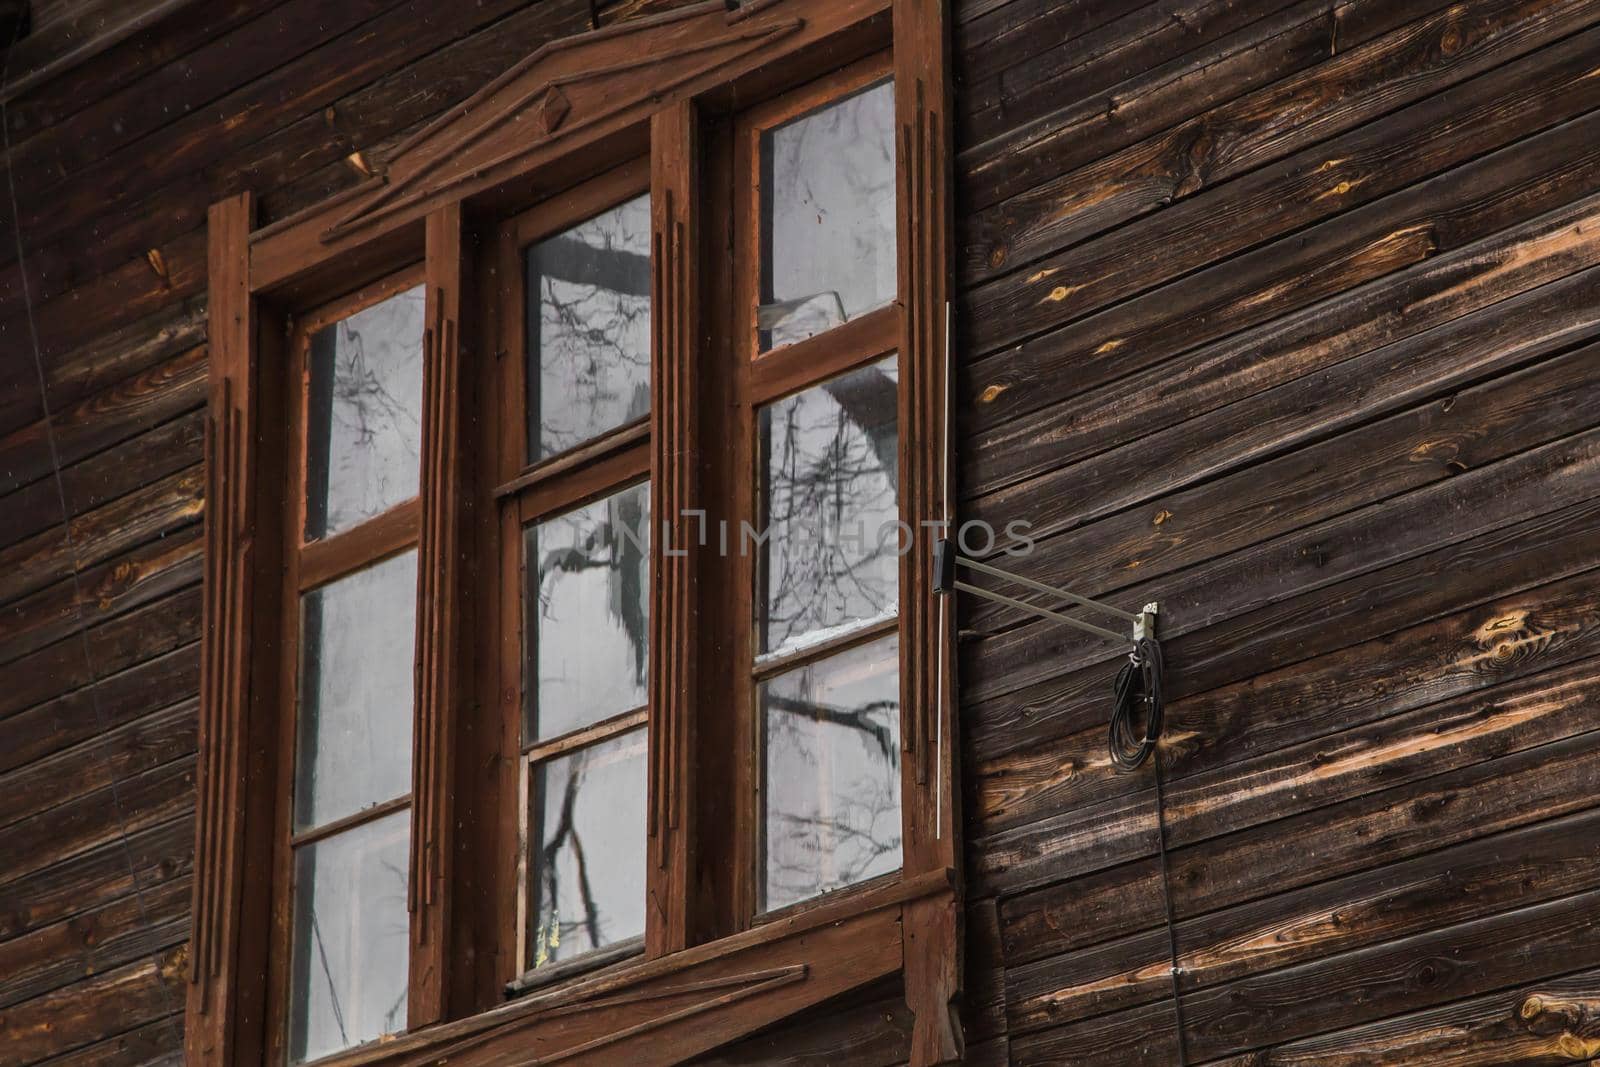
351,938
400,931
615,544
589,329
565,834
828,207
831,731
365,423
362,402
586,833
327,973
831,498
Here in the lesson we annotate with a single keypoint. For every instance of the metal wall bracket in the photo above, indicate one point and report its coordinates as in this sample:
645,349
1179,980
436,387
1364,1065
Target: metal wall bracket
946,560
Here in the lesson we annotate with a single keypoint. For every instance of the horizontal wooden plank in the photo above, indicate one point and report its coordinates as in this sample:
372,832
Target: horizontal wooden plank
99,364
1067,31
51,102
1081,131
1362,834
155,1044
1474,880
116,414
1143,41
147,799
1458,961
1355,90
315,79
236,58
1319,182
328,138
102,592
152,741
164,507
101,478
1354,763
1389,674
120,932
143,859
100,1007
1409,525
121,643
1433,441
115,699
1549,173
1483,570
1533,1025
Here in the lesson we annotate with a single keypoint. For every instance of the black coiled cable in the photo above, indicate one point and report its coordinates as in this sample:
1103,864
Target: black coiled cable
1134,736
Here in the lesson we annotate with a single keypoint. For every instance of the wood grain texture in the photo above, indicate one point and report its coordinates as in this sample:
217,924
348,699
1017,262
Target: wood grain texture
441,644
676,199
1334,431
928,732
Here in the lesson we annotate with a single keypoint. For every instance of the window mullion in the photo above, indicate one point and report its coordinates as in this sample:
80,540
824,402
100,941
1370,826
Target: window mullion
440,670
676,204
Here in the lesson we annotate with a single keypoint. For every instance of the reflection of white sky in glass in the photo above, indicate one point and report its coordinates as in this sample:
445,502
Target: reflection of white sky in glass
832,735
355,700
831,504
588,313
828,199
589,813
588,614
351,938
366,430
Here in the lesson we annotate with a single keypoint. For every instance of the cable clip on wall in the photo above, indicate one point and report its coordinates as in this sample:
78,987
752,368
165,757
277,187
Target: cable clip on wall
1139,681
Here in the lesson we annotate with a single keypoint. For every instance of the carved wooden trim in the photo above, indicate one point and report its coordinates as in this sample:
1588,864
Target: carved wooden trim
439,648
221,981
930,792
451,154
573,96
674,436
664,1011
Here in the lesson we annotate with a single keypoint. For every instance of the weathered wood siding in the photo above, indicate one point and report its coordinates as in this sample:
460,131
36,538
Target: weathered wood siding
1286,315
1282,313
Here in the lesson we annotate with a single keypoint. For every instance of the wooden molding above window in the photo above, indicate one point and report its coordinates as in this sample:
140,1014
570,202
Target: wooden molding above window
575,128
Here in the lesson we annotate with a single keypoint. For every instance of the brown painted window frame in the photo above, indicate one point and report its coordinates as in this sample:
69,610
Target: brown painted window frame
710,970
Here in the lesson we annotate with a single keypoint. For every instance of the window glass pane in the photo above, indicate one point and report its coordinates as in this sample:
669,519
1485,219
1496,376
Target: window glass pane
588,601
351,942
832,786
364,420
357,635
588,865
827,216
830,506
588,316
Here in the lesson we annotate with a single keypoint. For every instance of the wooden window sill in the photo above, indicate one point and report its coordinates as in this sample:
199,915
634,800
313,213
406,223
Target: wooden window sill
666,1010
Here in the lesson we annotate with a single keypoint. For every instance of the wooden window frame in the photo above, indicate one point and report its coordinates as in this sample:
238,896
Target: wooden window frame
662,90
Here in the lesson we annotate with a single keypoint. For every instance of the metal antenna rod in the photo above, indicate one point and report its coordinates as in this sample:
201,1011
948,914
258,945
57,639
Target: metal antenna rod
1023,605
1050,590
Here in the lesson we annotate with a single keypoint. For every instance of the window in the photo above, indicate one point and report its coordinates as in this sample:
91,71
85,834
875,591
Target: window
819,165
568,629
575,505
357,422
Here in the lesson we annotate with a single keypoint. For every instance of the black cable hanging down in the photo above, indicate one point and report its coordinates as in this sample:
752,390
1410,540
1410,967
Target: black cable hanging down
1132,743
1137,713
1138,687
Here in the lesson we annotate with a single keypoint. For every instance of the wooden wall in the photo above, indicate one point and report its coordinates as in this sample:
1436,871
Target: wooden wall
1286,315
1280,313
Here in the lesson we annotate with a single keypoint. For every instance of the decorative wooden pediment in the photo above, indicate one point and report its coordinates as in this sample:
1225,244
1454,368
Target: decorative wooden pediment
568,90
